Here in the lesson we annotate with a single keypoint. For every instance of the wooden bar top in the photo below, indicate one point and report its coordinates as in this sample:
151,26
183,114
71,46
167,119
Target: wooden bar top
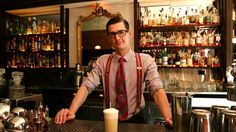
98,126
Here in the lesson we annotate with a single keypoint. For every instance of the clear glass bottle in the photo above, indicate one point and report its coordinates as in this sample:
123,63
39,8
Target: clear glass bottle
211,38
192,41
44,27
201,17
199,39
233,14
28,29
217,39
186,39
215,16
34,26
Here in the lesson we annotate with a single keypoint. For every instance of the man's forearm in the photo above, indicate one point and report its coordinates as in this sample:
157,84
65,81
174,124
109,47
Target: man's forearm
78,99
162,103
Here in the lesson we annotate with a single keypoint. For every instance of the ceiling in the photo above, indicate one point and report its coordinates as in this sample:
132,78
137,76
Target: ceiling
21,4
38,7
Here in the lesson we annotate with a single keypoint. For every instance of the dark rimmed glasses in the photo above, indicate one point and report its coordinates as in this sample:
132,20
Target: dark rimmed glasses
120,33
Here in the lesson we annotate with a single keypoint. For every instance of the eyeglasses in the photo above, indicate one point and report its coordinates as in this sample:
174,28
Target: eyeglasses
120,33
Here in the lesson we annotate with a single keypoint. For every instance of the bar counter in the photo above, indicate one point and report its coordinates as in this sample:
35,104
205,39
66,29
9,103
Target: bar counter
98,126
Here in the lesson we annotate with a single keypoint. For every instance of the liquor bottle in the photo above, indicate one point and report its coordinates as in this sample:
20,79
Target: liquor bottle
33,44
59,60
44,28
164,43
234,44
196,14
22,29
189,57
217,39
34,26
159,20
141,20
209,58
39,26
192,17
192,40
215,16
29,44
233,14
149,19
36,43
196,58
159,57
28,29
211,38
186,39
47,116
171,59
164,57
199,39
156,42
178,19
53,26
186,18
7,27
154,20
58,30
179,39
177,59
208,17
201,17
58,44
145,17
204,39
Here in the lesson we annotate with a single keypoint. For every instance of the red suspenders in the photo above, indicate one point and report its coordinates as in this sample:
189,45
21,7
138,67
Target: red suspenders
106,89
139,80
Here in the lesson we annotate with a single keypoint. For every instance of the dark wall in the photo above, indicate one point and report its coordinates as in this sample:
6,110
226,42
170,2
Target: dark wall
2,38
20,4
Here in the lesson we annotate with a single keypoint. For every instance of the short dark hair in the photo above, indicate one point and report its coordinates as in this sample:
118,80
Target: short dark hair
115,20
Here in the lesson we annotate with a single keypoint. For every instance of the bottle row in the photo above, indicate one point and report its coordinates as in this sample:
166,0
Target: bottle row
31,25
35,60
185,57
184,38
33,44
178,15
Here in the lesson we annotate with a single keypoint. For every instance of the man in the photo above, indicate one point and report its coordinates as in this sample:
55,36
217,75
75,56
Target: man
122,94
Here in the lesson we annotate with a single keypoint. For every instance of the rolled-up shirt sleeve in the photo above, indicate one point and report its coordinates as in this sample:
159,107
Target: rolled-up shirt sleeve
151,76
94,77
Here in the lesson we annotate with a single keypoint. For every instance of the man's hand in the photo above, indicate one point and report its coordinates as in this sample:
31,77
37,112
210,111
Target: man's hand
168,122
64,115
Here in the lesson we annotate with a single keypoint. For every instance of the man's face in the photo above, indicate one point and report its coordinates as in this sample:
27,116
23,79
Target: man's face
119,36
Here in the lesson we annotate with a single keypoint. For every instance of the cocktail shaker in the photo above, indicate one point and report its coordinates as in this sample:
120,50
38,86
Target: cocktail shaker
181,109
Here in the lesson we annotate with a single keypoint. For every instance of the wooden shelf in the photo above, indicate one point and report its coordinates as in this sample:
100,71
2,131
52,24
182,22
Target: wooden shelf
188,27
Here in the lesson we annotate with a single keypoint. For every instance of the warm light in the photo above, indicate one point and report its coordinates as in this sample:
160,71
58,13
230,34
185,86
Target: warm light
97,47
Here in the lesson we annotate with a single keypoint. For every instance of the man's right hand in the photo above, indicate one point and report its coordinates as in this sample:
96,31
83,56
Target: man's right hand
64,115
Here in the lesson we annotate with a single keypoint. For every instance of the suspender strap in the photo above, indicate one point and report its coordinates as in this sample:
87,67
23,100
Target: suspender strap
139,79
106,89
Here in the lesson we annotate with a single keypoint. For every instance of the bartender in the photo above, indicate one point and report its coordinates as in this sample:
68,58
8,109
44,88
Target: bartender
124,74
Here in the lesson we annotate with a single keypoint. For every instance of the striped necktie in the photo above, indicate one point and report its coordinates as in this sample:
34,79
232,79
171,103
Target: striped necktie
121,96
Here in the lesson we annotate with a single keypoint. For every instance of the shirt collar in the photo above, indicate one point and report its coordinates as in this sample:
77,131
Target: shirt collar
127,57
